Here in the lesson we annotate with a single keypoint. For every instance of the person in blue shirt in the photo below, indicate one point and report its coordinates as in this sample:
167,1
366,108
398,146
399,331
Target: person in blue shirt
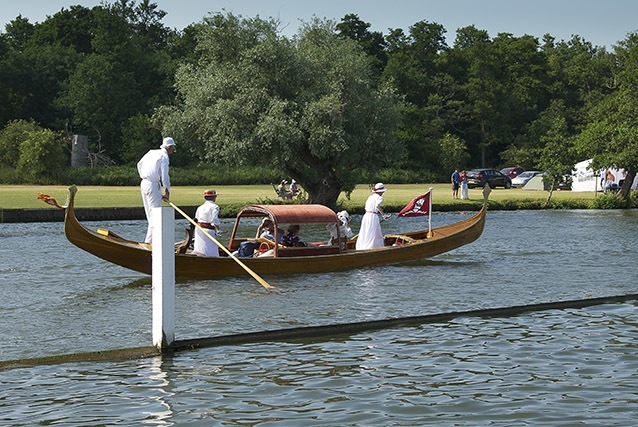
456,183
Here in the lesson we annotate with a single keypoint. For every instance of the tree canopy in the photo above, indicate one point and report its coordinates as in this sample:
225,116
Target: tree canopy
309,106
330,105
611,133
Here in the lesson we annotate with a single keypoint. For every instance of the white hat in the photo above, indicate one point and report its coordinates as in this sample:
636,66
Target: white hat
168,142
343,216
379,187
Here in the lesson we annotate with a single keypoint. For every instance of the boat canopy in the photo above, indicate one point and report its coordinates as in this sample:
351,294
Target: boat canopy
291,214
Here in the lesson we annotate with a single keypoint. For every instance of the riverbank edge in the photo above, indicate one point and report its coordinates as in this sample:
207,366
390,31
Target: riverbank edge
26,215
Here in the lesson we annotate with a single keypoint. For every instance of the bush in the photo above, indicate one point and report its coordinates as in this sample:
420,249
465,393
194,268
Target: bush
225,175
9,176
609,201
42,154
202,175
567,204
12,137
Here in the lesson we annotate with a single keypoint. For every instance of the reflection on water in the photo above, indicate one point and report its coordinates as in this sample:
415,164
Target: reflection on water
159,375
549,368
581,364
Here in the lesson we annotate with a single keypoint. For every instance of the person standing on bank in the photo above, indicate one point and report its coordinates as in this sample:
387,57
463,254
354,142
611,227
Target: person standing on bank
153,171
465,193
370,232
207,217
456,183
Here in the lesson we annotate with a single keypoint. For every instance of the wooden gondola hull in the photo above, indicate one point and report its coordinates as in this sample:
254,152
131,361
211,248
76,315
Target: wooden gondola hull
138,256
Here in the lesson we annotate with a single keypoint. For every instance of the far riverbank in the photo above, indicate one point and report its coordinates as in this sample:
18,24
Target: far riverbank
20,204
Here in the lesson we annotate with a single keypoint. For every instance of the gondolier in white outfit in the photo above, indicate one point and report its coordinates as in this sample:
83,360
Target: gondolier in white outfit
207,217
153,170
370,233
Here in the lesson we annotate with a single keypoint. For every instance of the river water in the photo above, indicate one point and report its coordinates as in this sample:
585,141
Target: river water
557,367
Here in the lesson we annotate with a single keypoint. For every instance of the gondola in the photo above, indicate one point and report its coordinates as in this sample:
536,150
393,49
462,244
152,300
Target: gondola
276,259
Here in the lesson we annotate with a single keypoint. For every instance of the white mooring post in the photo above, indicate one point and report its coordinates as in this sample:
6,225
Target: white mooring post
163,278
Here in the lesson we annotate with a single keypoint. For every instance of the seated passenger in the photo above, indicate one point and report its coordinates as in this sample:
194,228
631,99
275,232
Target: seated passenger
345,232
266,230
294,189
291,238
282,191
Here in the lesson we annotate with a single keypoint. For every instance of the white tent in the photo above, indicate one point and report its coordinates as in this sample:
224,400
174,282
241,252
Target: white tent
586,179
536,183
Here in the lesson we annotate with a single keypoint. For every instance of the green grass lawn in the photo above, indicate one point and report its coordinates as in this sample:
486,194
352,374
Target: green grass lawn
25,196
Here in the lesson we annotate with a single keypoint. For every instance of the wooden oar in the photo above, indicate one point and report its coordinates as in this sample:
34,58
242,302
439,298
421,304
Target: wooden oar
203,230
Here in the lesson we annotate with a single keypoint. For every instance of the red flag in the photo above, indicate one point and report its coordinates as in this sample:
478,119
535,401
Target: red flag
420,206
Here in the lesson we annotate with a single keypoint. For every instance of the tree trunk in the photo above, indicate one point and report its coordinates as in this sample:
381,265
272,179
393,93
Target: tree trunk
626,185
324,191
79,151
549,197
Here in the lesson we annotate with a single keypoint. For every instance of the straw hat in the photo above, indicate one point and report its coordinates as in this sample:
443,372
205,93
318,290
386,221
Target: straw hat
379,187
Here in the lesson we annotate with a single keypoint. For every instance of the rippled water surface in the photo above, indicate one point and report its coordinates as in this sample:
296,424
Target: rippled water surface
558,367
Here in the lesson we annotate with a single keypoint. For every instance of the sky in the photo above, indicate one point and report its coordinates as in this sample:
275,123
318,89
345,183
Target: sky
601,22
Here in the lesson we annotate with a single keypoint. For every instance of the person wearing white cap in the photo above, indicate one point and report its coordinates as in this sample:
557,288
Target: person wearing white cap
153,171
345,232
207,217
294,188
282,191
370,232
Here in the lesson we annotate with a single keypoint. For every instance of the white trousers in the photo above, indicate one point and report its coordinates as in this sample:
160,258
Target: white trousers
204,245
151,198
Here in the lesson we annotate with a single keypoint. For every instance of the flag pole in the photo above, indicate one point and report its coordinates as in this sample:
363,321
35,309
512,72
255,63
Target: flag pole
430,214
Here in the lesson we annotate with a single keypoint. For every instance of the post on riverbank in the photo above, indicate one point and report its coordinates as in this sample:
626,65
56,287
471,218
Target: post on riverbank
163,278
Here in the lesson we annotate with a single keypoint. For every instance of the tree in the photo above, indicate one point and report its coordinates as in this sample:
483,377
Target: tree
372,42
611,134
127,73
42,154
139,135
453,152
308,106
557,157
31,73
412,62
101,97
12,137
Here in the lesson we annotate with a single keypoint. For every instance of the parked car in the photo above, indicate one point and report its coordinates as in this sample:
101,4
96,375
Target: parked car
479,177
523,178
512,172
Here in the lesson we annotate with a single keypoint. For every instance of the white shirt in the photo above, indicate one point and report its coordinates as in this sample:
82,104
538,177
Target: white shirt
154,167
373,202
208,212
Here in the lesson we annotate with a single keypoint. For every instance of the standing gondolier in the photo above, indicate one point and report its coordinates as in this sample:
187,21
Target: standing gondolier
370,235
207,217
153,171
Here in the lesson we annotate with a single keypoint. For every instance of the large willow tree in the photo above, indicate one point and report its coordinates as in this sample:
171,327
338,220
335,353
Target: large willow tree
307,105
